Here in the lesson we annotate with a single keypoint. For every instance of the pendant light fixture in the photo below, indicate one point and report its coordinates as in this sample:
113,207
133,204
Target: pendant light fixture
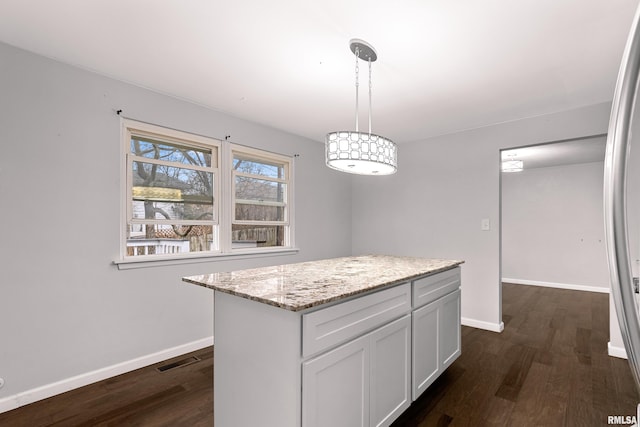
362,153
510,164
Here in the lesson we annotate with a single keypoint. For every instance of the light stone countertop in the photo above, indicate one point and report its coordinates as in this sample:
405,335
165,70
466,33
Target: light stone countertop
303,285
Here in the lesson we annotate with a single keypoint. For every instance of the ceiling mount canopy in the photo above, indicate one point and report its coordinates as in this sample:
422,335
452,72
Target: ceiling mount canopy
362,153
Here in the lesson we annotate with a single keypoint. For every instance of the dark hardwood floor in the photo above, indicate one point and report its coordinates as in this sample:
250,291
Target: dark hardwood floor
182,396
548,368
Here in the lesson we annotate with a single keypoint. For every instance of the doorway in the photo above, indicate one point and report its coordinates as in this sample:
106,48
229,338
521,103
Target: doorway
551,220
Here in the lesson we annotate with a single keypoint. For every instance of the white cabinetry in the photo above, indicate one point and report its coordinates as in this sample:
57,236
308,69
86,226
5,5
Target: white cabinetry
390,371
335,387
365,382
424,354
449,329
435,328
325,328
357,363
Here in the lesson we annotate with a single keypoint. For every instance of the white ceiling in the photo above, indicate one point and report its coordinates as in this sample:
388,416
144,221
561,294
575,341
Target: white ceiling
443,65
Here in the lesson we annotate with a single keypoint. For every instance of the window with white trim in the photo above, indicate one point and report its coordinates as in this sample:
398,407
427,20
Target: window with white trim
260,184
187,195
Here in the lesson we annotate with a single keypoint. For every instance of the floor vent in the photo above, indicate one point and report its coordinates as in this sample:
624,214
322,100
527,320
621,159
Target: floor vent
177,364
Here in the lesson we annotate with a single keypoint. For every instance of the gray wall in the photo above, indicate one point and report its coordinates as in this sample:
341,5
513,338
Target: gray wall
553,227
65,309
443,189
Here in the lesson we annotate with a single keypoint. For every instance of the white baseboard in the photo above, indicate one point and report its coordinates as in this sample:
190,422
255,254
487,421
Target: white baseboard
493,327
600,289
49,390
614,351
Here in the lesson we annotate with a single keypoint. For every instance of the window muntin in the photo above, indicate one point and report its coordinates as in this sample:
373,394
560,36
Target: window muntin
258,212
259,199
257,236
176,193
243,163
174,152
170,239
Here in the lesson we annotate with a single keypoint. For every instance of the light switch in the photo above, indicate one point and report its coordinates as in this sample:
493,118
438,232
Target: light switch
485,224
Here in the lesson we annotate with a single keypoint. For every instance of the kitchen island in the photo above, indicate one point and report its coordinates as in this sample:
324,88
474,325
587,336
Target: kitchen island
339,342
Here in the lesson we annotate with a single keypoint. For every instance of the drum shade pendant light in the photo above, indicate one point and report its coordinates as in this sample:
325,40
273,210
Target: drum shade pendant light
510,163
512,166
362,153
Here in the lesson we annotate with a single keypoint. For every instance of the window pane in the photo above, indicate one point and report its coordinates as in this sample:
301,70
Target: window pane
257,236
166,192
248,212
156,239
259,189
258,167
171,152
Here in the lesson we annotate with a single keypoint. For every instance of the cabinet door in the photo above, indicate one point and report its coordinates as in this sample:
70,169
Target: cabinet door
390,371
425,352
449,329
335,387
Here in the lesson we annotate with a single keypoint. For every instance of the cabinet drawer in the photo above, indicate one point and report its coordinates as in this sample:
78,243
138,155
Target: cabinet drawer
431,288
328,327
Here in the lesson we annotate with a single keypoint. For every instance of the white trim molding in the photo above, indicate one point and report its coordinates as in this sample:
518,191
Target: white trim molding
616,351
572,287
62,386
480,324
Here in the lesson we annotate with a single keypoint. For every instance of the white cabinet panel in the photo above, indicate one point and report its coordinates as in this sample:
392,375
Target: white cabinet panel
426,365
390,371
435,340
366,382
335,388
430,288
450,329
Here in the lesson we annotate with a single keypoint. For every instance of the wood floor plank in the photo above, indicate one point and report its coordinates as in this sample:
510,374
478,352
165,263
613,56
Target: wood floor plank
483,390
583,345
532,406
512,382
497,411
603,384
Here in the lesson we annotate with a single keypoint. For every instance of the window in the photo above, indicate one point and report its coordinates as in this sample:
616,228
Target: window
260,199
172,183
185,197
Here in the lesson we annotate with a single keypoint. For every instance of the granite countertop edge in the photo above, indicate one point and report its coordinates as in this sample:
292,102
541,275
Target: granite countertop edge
286,297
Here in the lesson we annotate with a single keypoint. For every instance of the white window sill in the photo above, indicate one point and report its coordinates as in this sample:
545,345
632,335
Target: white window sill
143,261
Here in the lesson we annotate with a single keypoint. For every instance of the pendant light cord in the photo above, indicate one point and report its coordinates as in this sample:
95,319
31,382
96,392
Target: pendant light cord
357,83
369,95
357,53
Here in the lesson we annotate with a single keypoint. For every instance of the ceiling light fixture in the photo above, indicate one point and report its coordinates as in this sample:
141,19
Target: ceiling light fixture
512,166
358,152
